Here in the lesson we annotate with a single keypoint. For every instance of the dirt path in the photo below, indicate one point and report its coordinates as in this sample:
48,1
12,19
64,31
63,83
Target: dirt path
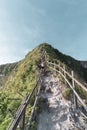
55,114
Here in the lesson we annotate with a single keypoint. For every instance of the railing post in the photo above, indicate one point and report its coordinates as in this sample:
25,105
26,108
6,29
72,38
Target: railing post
75,98
45,55
54,65
59,65
64,72
36,87
54,68
22,122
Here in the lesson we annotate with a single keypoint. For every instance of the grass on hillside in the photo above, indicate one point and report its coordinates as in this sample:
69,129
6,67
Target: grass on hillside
22,79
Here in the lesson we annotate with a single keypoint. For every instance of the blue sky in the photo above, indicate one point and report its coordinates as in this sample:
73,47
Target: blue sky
24,24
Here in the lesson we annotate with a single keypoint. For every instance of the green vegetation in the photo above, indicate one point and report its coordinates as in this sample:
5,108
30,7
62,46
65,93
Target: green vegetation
70,62
7,68
21,77
5,71
68,93
81,92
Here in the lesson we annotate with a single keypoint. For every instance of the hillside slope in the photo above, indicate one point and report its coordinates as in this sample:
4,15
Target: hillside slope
5,71
84,64
67,60
23,77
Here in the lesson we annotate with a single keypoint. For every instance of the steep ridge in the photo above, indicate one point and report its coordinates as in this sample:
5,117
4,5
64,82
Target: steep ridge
23,75
67,60
20,80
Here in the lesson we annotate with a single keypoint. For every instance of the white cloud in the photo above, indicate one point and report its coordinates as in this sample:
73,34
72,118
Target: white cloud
6,55
12,53
4,50
8,59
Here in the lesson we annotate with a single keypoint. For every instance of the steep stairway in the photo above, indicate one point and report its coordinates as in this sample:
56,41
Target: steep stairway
56,113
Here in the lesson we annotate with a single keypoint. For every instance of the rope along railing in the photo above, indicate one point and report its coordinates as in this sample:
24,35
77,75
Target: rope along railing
19,118
63,73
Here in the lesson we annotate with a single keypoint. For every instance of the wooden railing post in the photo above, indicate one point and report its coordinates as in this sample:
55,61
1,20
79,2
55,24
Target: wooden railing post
75,98
59,65
54,65
22,122
64,72
36,88
54,68
45,56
